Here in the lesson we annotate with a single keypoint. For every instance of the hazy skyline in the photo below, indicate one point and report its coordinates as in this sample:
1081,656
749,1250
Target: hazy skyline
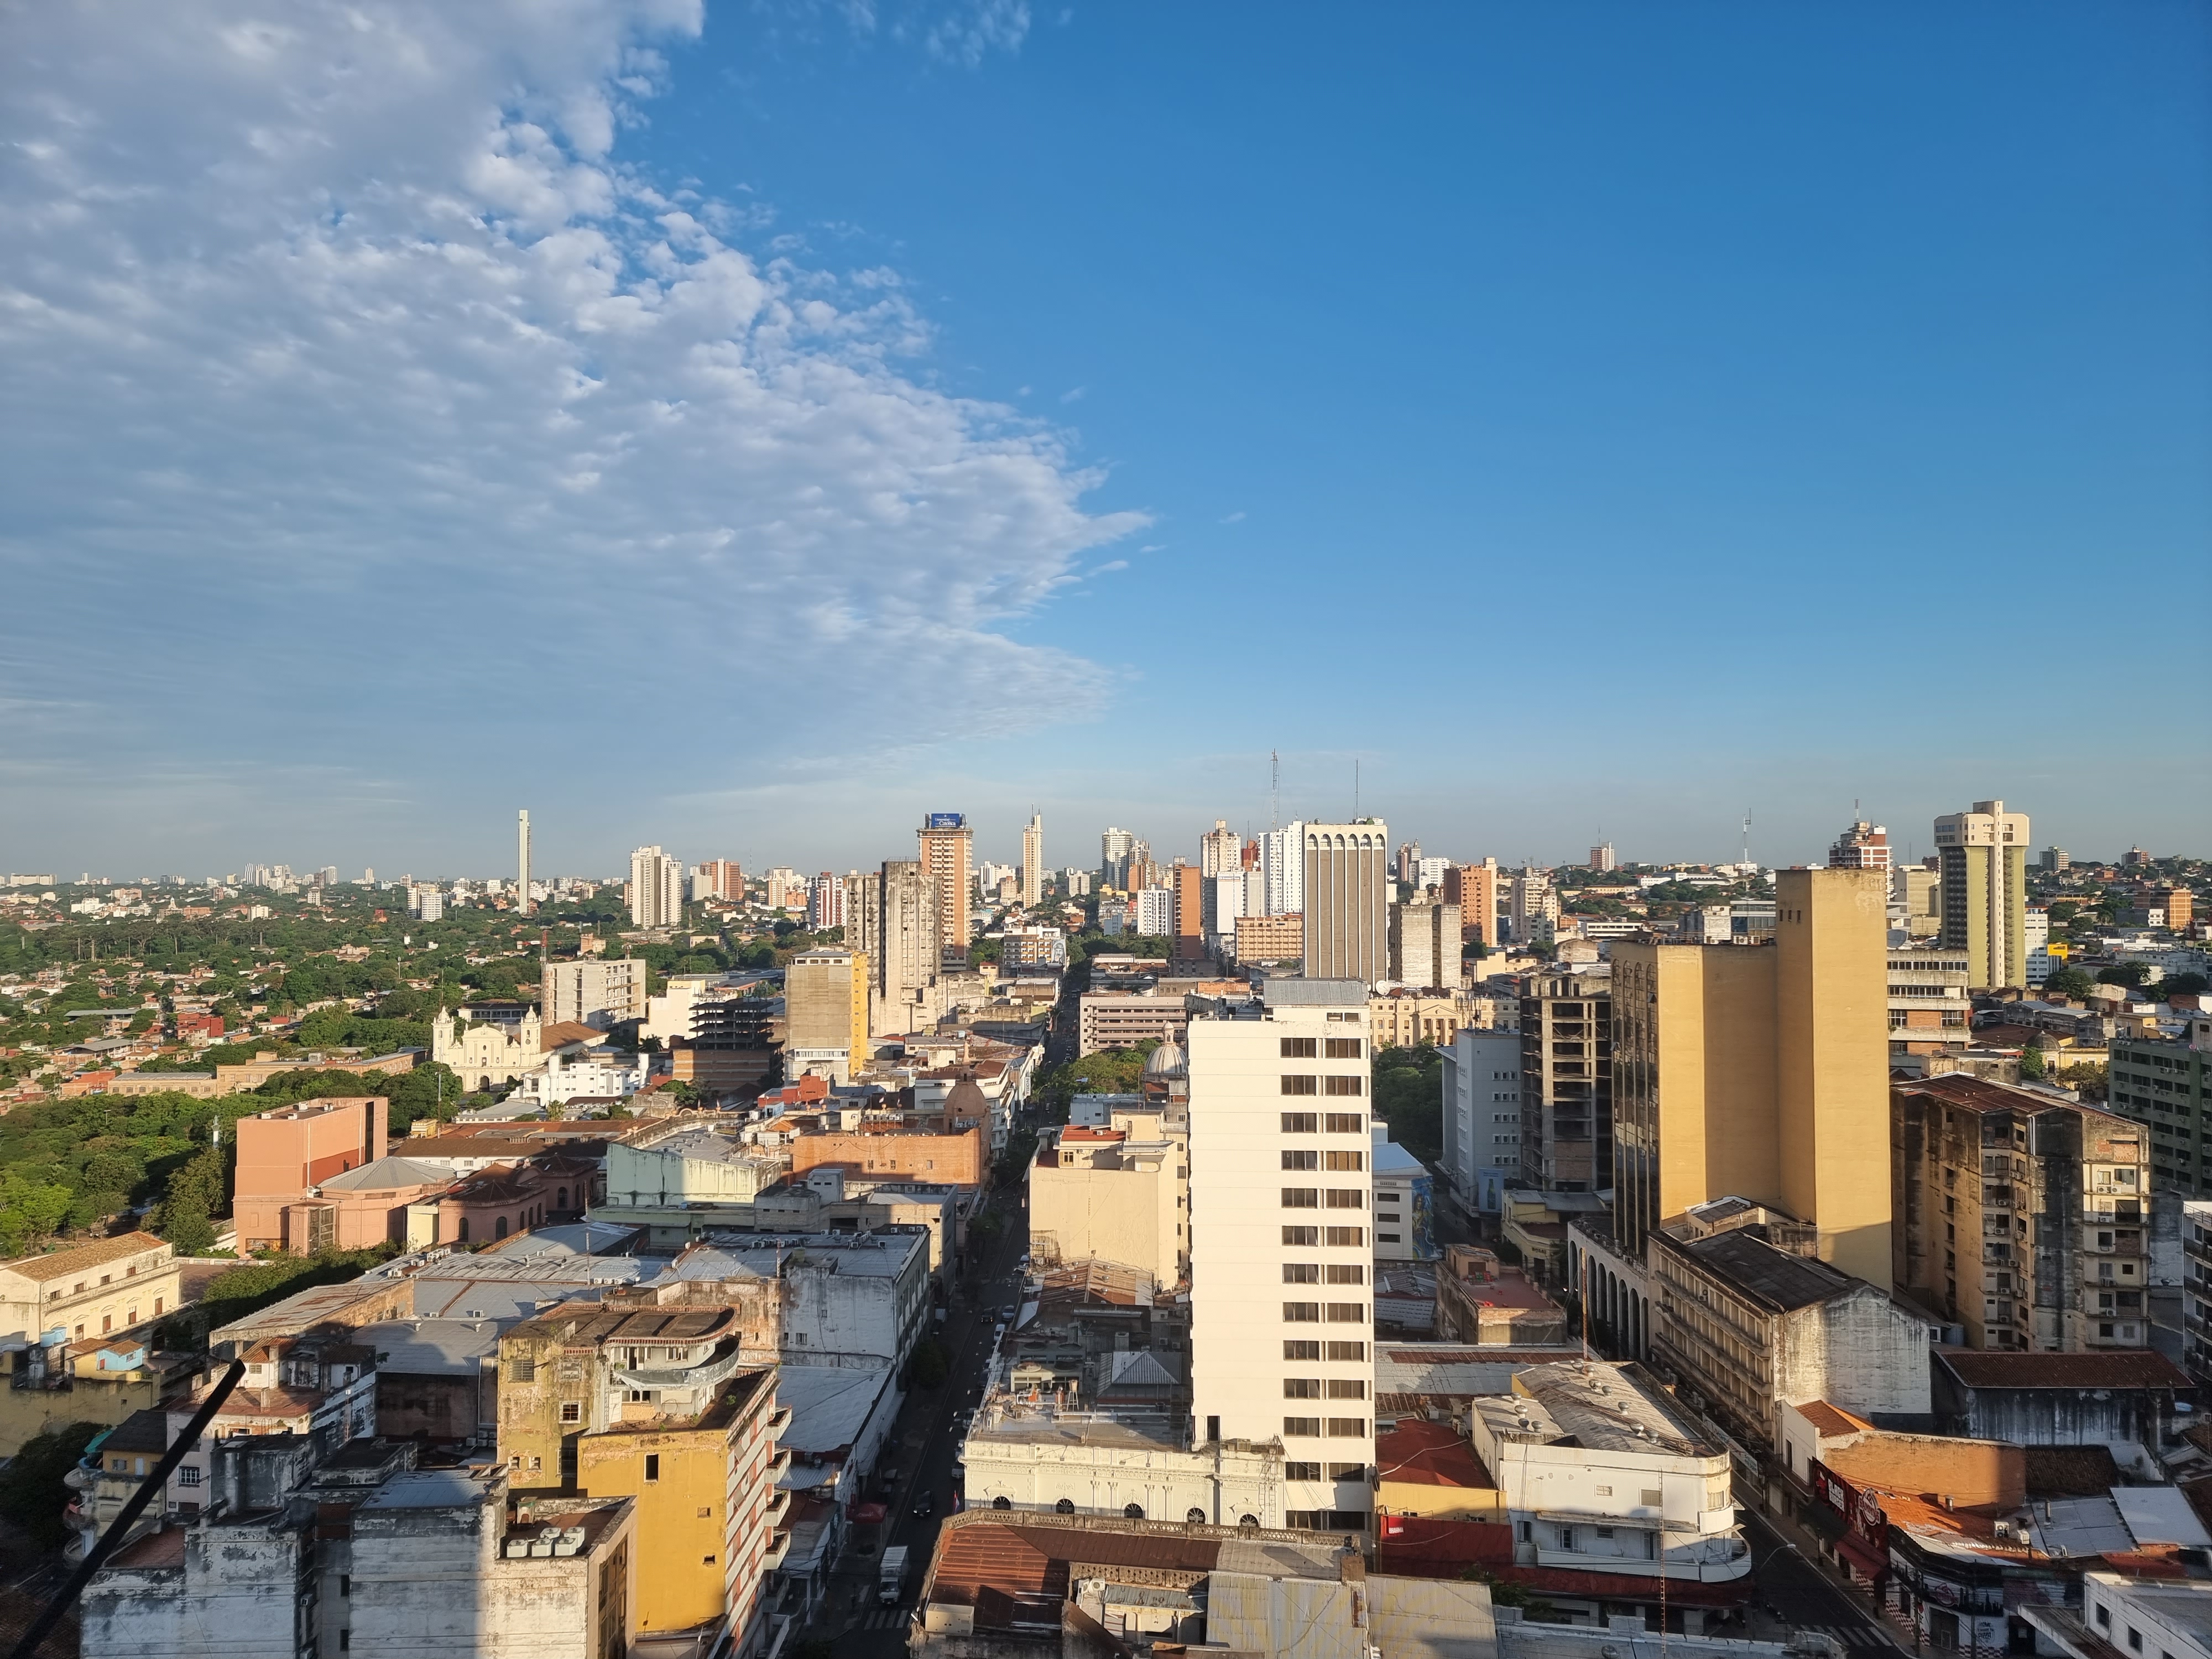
748,428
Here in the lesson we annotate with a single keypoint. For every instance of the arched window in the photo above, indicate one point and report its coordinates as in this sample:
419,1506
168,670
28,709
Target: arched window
1133,1511
1002,1502
1196,1517
1251,1521
1066,1506
500,1230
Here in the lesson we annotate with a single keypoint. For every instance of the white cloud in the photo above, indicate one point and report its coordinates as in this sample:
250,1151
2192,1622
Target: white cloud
1237,517
348,361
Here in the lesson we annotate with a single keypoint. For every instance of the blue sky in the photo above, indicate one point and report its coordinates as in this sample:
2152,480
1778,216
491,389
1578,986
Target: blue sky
747,429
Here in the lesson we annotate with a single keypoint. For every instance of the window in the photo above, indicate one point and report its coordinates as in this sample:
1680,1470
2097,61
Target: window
1344,1123
1347,1428
1295,1349
1302,1312
1386,1239
1341,1236
2105,1617
1305,1159
1305,1237
1302,1272
1301,1471
1300,1123
1301,1388
1348,1471
189,1475
1346,1274
705,1561
1649,1499
653,1466
1299,1047
1301,1197
571,1412
1604,1531
1346,1198
1347,1350
346,1641
1347,1388
1302,1428
1607,1492
2135,1638
1294,1083
1346,1161
345,1583
1348,1313
1066,1506
1345,1085
1566,1538
1341,1049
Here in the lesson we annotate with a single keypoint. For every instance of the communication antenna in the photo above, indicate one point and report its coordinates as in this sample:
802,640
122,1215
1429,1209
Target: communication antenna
1355,788
1746,859
1274,790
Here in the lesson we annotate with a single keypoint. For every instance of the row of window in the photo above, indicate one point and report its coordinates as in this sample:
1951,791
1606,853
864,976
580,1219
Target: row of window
1304,1083
1309,1428
1298,1471
1315,1388
1312,1272
1301,1157
1310,1198
1337,1123
1300,1348
1310,1238
1331,1048
1339,1313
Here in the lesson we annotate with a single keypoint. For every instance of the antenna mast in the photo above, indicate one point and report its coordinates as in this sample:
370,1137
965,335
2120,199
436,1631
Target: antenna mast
1274,790
1746,834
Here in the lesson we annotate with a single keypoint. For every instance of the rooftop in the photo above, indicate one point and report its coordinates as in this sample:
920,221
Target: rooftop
60,1264
2126,1368
1425,1454
1755,1269
431,1489
1610,1408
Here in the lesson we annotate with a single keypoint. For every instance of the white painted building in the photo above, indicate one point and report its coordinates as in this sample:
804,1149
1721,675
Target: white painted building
656,889
1481,1118
1281,1309
1282,862
1600,1474
857,1299
1403,1229
1156,912
587,1071
1089,1464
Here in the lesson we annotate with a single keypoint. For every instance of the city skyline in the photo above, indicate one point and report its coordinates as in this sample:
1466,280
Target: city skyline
1725,411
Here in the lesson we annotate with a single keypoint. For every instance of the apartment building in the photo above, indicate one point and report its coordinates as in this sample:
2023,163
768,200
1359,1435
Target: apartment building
1033,860
1532,906
2020,1218
1930,1010
1116,1192
2166,1085
1566,1080
656,889
2196,1287
1108,1020
826,1013
945,847
601,994
1481,1117
718,878
1983,857
892,916
1425,944
1761,1072
1473,888
1269,938
1282,1327
1863,846
1346,882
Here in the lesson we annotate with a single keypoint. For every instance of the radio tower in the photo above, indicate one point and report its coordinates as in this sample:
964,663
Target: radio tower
1274,790
1746,834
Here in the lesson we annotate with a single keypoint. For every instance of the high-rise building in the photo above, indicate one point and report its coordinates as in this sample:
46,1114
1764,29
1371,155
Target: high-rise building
1761,1072
1863,846
1983,855
2021,1217
1425,944
2056,858
1220,850
1224,904
1602,857
522,864
1033,860
947,852
1156,912
825,902
1566,1080
601,994
1473,888
1281,1309
1347,900
1189,888
826,1013
1409,863
1113,848
1482,1118
1532,906
720,879
1916,905
656,889
784,888
892,916
1282,859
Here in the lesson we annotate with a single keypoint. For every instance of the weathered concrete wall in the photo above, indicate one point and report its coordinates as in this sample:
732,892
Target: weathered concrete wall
235,1595
1862,1352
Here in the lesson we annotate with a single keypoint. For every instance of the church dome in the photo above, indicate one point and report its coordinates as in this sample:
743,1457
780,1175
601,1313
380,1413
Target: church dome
1167,1060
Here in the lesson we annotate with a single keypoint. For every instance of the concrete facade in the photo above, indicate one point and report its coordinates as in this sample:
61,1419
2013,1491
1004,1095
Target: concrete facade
1983,858
1481,1118
1347,868
1425,944
601,995
1116,1192
285,1152
1096,1465
1567,1081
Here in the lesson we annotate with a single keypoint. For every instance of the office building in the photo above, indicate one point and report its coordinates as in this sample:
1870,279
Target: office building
1281,1322
1761,1072
1220,850
600,994
1189,887
893,916
1347,912
1930,1010
1114,850
1983,856
946,851
2022,1219
1425,944
826,1013
1224,907
1602,857
1481,1118
522,864
1283,865
1109,1019
1473,888
1033,860
1269,938
656,889
718,878
1566,1080
1405,1201
1408,870
1863,846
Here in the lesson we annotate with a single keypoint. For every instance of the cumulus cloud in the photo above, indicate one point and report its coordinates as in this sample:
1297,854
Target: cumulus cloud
348,358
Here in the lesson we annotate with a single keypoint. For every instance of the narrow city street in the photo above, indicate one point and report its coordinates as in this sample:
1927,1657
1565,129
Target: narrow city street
1795,1595
925,1449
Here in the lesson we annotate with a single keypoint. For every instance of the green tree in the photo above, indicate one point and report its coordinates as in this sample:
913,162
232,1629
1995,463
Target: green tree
30,1210
32,1494
2182,985
1408,1094
2031,1065
2068,982
2130,974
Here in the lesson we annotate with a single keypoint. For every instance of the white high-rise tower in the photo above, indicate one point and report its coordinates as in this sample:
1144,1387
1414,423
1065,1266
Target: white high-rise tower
1033,860
522,861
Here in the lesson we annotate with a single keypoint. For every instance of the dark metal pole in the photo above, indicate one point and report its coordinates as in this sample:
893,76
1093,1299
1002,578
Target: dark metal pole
96,1557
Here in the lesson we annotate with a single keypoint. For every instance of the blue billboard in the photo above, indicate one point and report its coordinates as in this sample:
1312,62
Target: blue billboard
948,821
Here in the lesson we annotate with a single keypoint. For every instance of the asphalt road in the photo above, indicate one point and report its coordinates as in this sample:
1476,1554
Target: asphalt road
927,1444
1796,1595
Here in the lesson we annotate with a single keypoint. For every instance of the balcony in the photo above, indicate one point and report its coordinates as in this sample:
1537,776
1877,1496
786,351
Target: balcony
779,1548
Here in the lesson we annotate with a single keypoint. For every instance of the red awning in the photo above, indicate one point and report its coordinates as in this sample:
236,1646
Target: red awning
863,1513
1864,1557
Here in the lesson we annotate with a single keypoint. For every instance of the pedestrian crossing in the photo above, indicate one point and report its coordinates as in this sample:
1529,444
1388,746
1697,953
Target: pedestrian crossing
882,1619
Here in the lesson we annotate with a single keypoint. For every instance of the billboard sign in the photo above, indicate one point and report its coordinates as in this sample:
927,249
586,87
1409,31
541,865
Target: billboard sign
948,821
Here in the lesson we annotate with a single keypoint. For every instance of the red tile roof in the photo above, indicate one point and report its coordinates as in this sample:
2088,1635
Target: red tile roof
1421,1453
2122,1368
